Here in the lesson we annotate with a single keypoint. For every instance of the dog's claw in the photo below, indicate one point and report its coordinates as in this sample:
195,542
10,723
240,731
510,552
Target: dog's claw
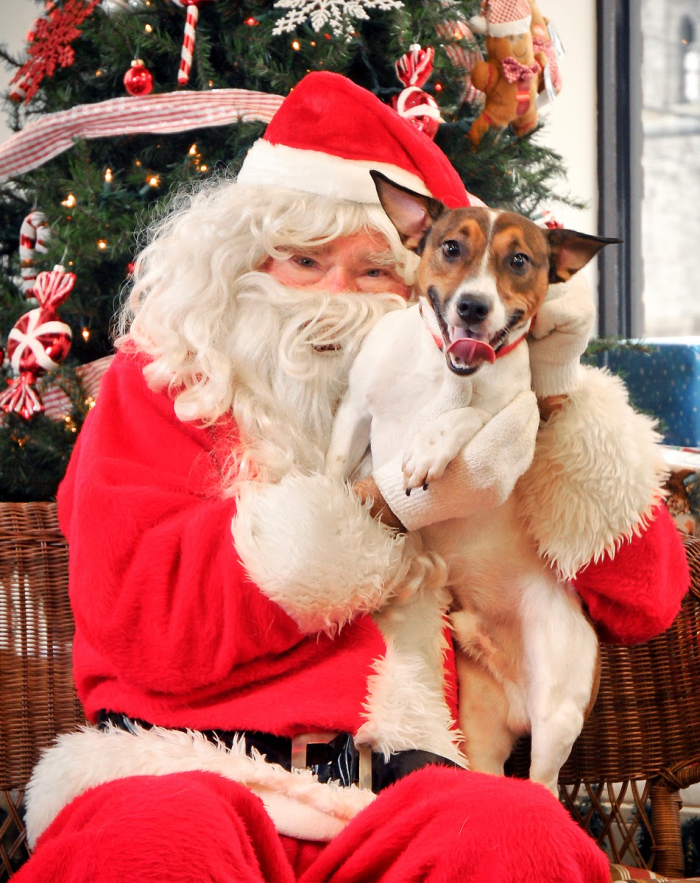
425,485
408,491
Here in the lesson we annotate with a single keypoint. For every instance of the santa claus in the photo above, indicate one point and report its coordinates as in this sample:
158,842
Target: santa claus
254,715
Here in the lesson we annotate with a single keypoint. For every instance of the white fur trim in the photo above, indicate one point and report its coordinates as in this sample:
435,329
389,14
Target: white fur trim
297,802
406,706
312,547
596,474
290,168
510,28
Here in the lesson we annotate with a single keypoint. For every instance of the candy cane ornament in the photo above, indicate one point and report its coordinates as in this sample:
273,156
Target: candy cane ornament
33,236
418,107
188,39
38,343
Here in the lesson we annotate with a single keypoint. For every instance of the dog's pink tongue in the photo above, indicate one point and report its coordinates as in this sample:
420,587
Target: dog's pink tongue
469,351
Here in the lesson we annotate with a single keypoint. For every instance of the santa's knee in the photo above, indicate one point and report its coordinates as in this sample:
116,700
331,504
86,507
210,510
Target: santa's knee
507,829
181,827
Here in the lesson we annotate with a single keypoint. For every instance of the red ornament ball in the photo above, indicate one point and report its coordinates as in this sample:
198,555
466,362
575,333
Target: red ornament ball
138,80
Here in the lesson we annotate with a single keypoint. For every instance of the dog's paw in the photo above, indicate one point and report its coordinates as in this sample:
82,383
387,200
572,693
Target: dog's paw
428,455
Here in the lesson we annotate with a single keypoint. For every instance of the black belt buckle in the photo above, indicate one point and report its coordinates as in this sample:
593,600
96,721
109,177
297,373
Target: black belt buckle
333,756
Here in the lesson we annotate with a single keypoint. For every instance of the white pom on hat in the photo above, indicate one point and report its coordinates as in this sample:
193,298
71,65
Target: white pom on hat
329,133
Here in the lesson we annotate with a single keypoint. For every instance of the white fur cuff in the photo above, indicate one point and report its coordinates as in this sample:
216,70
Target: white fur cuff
312,547
596,474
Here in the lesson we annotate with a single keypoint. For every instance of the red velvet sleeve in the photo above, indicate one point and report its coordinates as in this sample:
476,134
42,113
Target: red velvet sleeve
155,581
636,593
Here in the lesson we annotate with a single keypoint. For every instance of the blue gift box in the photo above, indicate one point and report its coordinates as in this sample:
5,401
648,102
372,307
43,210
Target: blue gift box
663,380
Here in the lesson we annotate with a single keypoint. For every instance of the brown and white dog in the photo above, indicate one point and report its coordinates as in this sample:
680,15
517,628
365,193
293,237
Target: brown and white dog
432,375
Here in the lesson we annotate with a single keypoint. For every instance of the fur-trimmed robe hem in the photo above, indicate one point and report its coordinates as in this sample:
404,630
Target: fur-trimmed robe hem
298,804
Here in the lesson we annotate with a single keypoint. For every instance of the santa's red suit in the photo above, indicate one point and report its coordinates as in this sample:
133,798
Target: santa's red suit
242,663
273,612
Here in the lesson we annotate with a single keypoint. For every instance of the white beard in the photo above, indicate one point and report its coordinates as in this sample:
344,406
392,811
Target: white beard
291,351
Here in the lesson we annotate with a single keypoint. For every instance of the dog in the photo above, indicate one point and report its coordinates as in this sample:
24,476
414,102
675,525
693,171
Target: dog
433,374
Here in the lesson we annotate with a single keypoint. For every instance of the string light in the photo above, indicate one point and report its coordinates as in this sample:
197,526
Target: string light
193,150
69,201
251,22
438,87
85,334
108,175
98,72
148,28
203,168
296,45
70,424
102,244
153,180
90,401
137,162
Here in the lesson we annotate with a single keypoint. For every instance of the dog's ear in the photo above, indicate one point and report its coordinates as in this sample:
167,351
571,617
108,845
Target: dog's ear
569,251
411,213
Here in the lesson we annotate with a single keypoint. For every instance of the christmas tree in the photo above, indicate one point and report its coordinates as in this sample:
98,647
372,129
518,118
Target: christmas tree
96,163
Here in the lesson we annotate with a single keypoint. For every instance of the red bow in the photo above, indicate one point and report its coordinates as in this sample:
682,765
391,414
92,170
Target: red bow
513,70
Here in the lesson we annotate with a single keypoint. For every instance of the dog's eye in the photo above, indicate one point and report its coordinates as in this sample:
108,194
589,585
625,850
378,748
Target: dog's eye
519,261
451,249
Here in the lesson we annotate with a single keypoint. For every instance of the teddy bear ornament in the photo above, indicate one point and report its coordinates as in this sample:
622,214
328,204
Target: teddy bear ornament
510,75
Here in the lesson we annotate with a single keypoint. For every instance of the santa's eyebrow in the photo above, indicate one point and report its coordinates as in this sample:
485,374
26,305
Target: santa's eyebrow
384,258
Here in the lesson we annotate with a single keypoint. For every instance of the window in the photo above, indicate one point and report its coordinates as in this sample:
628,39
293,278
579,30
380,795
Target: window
649,165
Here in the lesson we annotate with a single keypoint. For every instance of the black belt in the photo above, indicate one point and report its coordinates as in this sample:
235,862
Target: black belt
331,756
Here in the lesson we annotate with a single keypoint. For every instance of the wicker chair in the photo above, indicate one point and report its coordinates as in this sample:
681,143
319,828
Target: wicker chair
643,734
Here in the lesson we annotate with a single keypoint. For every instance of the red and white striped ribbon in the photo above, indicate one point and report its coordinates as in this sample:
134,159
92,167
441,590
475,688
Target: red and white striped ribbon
461,57
57,405
45,138
183,74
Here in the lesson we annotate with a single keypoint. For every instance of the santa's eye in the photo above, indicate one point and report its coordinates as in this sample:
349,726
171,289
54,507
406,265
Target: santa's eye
451,249
304,261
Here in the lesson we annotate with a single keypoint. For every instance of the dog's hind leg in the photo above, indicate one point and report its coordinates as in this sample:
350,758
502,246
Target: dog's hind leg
561,652
484,707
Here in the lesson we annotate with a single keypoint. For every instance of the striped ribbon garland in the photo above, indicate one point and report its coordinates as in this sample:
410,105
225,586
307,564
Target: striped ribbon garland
47,137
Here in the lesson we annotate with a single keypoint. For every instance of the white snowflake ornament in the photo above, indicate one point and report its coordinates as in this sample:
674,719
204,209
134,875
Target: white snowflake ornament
338,15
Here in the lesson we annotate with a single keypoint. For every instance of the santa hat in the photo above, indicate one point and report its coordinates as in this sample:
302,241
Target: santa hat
327,135
503,18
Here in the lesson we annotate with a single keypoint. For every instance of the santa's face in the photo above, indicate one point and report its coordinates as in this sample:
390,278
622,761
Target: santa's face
360,263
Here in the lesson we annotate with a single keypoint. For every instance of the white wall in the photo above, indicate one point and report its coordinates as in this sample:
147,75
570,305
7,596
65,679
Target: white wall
571,119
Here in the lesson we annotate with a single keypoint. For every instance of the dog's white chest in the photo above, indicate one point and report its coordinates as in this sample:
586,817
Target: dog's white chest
403,372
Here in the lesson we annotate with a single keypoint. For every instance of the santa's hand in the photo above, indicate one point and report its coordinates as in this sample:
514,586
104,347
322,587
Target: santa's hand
559,337
366,489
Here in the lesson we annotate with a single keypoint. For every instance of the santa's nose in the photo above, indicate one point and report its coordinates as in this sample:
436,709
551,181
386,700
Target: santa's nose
336,280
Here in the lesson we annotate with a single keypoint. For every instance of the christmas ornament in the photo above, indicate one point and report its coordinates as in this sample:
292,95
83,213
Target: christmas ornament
456,32
138,80
51,134
338,15
420,109
510,74
38,343
188,39
50,46
33,236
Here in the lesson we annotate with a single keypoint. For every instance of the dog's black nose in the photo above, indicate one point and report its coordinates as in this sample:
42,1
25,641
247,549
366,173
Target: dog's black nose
472,309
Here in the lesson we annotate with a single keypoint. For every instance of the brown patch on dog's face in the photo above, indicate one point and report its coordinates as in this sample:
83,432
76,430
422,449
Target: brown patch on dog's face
518,258
519,261
454,251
